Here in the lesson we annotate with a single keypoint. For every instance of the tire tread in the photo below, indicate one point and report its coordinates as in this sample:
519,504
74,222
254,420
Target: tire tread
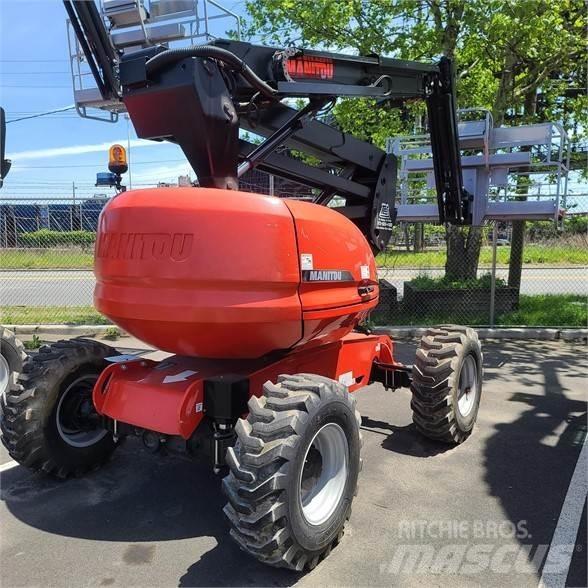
22,408
433,379
259,464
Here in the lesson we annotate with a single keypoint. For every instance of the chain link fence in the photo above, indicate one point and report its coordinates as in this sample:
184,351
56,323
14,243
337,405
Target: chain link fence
46,253
527,274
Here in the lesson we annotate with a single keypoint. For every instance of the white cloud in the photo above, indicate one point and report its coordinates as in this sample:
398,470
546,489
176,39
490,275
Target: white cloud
76,150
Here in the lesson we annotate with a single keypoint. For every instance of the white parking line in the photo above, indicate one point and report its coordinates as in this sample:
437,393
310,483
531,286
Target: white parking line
561,550
8,465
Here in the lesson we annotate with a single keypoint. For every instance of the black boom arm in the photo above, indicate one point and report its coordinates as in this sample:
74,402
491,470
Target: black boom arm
201,96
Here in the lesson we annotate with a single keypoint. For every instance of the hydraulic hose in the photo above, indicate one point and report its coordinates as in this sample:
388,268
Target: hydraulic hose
235,63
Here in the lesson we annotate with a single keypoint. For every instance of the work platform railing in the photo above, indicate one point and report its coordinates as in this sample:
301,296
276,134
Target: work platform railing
512,172
137,24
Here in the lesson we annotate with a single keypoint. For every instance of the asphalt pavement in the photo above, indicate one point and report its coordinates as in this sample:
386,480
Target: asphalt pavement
481,514
75,287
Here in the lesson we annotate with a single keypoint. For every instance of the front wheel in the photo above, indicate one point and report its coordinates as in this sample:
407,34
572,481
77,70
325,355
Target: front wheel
294,471
447,383
49,422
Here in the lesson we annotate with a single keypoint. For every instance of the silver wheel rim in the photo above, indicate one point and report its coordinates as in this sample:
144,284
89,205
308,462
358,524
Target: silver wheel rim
468,386
71,435
324,474
4,375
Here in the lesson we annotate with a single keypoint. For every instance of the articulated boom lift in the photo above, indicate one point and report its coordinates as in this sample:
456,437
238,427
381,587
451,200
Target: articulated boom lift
260,299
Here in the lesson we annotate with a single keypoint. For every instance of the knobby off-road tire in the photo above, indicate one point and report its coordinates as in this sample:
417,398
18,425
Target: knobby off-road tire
12,358
48,423
447,383
281,510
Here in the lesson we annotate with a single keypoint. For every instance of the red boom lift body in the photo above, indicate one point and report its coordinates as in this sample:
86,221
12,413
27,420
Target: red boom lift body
282,294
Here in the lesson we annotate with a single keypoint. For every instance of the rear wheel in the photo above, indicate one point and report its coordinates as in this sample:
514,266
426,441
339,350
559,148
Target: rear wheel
49,423
293,471
12,358
447,383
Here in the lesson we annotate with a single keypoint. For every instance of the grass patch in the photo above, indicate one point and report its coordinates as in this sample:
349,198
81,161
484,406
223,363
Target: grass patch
111,334
34,343
534,254
46,259
39,315
547,310
550,310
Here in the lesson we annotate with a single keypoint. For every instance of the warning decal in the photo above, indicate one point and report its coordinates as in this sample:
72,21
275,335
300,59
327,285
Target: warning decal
384,220
306,261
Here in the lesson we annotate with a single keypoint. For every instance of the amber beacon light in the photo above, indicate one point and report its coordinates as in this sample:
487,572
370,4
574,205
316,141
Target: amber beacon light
117,159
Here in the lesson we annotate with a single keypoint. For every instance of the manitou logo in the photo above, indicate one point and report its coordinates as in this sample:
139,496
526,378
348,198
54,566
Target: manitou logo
326,276
144,246
320,68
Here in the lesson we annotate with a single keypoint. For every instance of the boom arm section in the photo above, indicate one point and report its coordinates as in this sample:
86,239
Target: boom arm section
201,96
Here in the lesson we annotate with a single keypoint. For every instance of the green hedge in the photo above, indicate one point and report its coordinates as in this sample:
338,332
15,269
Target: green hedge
46,238
442,283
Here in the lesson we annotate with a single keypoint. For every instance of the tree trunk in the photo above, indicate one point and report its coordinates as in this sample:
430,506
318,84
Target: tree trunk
418,237
505,88
463,252
517,244
463,243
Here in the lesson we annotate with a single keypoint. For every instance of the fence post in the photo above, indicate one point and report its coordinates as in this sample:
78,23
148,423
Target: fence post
271,184
493,281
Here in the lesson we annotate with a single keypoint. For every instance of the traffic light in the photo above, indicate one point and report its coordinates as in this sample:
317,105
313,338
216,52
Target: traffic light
117,159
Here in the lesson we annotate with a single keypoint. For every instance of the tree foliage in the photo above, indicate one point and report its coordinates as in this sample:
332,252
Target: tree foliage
503,49
522,59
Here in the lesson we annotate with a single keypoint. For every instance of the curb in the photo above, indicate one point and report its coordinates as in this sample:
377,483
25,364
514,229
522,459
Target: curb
73,330
394,332
497,333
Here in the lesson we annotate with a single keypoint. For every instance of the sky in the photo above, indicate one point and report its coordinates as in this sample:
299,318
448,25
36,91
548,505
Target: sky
59,150
52,154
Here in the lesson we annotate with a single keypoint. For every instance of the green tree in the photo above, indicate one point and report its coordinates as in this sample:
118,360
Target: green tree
538,45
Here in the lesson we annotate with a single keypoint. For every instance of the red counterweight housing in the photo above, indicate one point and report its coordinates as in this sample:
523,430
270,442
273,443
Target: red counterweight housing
225,274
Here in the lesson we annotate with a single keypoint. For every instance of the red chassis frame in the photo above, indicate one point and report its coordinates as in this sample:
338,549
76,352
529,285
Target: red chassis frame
168,396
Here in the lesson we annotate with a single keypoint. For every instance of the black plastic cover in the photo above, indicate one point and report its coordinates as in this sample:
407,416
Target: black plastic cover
225,397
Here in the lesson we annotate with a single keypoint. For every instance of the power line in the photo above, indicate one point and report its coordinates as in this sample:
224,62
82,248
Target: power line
51,183
13,112
33,60
32,73
40,114
101,163
33,87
